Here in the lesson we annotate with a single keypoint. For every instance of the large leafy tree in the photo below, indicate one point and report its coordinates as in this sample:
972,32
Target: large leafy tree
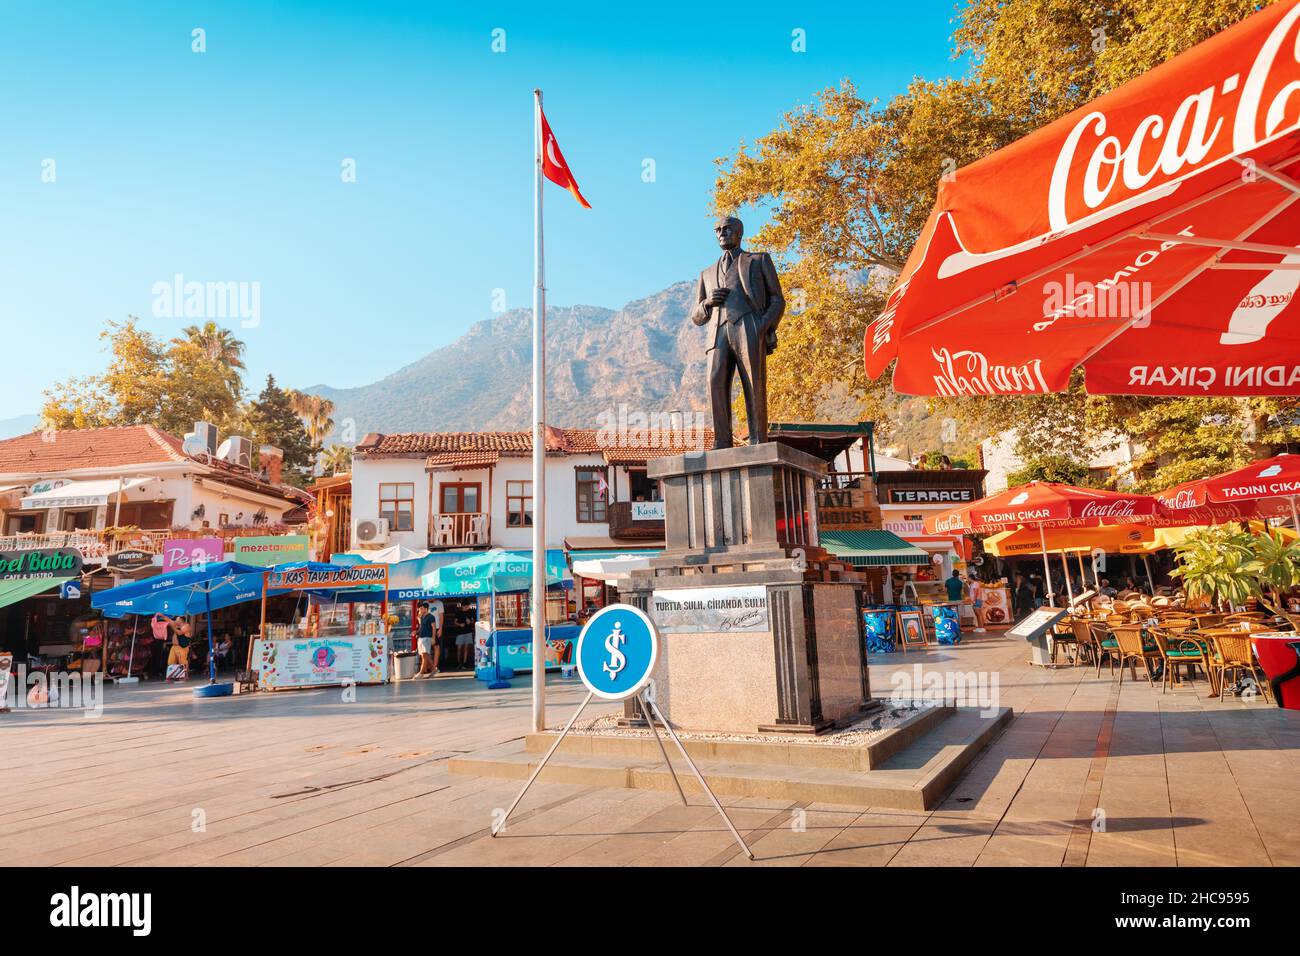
148,381
847,183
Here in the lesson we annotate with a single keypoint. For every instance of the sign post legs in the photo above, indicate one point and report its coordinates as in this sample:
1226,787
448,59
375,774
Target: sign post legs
554,747
654,709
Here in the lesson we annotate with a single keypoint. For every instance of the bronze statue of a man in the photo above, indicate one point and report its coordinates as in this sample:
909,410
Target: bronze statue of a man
740,297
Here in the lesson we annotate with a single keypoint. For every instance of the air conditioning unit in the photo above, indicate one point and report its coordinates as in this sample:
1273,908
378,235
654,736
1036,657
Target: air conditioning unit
370,531
236,450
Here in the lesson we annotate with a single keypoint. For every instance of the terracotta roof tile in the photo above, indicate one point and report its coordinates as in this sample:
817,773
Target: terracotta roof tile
47,453
467,449
460,460
55,451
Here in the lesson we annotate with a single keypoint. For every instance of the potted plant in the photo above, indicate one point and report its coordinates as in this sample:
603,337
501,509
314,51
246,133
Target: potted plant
1228,566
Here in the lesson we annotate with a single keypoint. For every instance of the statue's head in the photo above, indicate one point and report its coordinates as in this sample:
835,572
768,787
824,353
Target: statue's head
729,231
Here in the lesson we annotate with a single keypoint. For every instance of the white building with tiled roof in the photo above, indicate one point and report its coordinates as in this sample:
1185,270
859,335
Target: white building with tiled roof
442,490
65,488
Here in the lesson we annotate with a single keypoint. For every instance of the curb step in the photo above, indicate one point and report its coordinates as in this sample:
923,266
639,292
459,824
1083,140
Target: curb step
915,777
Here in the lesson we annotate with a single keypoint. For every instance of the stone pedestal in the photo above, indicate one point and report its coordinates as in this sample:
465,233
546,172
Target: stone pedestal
761,629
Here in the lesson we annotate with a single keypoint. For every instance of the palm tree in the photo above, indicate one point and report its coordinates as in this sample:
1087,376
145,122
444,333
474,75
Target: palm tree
220,345
315,413
337,459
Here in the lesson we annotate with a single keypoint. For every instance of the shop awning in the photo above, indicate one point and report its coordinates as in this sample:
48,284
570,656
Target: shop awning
11,592
75,494
589,544
872,549
602,554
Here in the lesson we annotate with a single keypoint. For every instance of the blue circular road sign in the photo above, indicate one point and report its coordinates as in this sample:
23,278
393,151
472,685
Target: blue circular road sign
617,650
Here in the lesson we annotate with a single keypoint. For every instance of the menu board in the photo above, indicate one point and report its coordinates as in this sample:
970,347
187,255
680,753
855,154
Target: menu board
321,661
1037,622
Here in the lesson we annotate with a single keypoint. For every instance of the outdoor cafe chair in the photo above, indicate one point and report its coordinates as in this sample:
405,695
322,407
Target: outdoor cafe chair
1103,645
1178,649
1234,653
1132,649
1084,649
1063,636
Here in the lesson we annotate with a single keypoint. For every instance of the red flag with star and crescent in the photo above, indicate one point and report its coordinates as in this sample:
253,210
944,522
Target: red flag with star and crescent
554,167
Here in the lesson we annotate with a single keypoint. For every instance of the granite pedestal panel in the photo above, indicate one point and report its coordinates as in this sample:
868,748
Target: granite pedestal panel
761,629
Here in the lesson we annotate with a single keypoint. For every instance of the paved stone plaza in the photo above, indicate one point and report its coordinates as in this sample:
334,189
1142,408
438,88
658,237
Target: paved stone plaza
305,778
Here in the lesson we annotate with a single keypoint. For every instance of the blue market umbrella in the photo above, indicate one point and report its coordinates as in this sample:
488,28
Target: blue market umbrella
194,590
490,573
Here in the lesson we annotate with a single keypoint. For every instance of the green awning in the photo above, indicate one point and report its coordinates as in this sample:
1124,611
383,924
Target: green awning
11,592
872,548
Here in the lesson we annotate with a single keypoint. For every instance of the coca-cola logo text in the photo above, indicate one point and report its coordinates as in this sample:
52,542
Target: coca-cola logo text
1100,166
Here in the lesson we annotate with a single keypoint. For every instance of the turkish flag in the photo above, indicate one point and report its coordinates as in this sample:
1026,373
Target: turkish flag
553,165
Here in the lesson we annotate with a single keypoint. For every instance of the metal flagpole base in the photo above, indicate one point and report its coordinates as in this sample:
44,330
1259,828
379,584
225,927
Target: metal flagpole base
554,747
654,711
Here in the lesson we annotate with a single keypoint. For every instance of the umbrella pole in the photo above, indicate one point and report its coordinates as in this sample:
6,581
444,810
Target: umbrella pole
1069,588
1047,570
1146,563
212,657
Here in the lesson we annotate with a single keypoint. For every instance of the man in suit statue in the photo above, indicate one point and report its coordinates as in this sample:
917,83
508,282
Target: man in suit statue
739,296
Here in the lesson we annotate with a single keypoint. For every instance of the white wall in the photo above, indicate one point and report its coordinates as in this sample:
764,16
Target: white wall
561,496
182,487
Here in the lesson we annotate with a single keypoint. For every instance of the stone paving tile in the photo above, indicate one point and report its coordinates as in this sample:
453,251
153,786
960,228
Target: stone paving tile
304,779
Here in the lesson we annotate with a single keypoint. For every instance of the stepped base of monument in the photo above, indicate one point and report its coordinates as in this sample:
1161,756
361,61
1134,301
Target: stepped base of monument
908,767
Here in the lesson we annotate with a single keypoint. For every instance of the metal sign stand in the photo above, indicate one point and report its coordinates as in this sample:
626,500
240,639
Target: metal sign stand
649,707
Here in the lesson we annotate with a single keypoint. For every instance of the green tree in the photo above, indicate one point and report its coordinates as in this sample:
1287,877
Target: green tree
273,420
847,184
147,381
337,459
1050,468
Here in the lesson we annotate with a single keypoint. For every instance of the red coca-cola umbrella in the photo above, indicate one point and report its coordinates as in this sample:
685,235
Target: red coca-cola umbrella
1263,489
1150,237
1043,505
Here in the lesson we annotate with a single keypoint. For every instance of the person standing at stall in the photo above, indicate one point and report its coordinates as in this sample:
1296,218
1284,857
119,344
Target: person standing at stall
426,643
975,588
178,654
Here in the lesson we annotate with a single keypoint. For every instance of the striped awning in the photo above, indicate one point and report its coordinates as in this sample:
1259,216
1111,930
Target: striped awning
872,548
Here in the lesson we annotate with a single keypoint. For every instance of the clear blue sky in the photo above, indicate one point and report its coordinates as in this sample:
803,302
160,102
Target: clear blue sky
225,166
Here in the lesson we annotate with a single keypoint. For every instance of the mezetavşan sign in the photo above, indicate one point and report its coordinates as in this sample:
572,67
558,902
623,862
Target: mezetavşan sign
43,563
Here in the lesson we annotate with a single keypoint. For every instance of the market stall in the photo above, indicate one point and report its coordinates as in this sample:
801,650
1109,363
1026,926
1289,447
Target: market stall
500,581
287,656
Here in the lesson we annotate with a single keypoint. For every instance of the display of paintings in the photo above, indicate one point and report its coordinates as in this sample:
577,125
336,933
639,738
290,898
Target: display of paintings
911,629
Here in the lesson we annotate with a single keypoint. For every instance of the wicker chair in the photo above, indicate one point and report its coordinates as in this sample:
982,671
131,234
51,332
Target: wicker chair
1176,648
1233,653
1103,644
1132,648
1063,637
1083,641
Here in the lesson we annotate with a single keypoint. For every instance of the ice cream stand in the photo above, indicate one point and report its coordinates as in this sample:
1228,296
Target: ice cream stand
283,658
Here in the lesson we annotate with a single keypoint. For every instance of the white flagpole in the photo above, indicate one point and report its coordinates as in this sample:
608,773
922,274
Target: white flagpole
539,433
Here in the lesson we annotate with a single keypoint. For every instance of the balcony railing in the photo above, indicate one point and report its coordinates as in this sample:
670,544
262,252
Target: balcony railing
460,530
98,545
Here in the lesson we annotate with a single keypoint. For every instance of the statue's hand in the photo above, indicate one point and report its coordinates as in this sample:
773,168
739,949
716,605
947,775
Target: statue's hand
770,341
719,296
